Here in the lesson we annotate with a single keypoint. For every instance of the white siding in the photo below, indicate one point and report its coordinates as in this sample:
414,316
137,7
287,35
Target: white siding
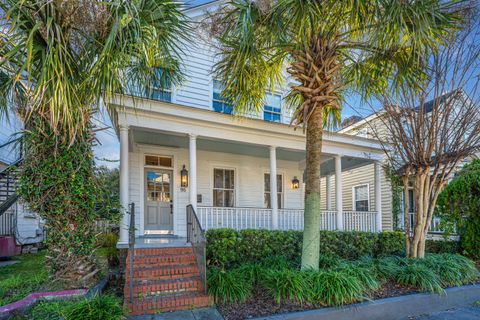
360,176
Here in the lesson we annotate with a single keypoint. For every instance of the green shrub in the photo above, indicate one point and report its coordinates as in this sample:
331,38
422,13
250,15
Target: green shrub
390,244
222,247
229,286
228,248
107,243
418,275
459,208
334,288
285,284
442,246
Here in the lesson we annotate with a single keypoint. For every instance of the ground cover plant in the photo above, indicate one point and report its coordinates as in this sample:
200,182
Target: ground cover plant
276,284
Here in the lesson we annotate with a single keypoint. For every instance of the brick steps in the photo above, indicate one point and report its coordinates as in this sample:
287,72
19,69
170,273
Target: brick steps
162,287
167,259
164,279
163,272
176,302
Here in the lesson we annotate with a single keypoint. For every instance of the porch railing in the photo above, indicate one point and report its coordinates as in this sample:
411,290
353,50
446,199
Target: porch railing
288,219
196,236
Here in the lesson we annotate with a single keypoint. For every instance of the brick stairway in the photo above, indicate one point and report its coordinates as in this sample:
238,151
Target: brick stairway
165,279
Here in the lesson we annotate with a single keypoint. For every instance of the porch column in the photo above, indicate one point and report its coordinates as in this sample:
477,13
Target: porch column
338,191
273,186
193,170
378,196
125,222
328,180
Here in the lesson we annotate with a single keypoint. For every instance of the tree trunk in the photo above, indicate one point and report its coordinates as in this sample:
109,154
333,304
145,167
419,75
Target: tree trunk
311,231
406,215
417,243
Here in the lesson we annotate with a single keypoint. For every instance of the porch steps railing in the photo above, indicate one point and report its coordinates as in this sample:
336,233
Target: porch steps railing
164,279
289,219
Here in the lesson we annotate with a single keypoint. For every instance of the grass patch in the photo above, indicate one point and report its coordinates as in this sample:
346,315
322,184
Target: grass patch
29,275
103,307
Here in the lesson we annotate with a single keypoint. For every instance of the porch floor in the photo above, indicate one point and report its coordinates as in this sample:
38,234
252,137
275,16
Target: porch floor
154,241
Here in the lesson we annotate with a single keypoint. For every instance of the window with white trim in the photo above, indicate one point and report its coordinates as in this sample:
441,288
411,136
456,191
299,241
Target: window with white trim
272,110
361,198
267,200
223,188
219,103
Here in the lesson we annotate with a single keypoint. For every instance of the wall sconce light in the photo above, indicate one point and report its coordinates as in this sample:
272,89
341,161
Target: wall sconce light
295,183
184,177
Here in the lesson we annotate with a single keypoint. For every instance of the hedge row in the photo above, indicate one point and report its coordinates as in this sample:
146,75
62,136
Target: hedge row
228,247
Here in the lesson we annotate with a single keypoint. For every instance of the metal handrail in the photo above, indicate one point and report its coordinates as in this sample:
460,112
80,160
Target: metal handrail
131,247
196,237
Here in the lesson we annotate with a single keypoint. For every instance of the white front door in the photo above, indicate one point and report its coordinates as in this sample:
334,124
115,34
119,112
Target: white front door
158,202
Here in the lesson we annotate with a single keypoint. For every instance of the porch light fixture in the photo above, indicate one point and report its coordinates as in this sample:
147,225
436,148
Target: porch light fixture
184,177
295,183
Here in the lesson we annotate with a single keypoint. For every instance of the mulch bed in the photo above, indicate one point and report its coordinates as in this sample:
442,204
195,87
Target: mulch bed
260,304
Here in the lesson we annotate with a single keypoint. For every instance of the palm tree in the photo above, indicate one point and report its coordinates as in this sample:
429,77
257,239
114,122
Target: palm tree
59,61
329,46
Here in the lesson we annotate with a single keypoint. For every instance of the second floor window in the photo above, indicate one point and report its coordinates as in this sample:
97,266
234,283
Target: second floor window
272,111
219,102
360,198
156,91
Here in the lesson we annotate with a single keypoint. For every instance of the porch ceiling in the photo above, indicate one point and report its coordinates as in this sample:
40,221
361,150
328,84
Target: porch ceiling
157,138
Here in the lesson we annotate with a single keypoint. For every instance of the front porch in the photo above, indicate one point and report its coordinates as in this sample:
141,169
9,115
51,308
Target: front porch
173,156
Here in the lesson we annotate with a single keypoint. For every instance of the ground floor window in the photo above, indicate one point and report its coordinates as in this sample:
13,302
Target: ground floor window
267,199
223,188
360,198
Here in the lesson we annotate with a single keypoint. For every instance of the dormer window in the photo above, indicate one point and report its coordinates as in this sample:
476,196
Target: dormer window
272,111
219,103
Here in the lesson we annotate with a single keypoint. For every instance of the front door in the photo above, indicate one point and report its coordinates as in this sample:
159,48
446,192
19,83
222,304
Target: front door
158,202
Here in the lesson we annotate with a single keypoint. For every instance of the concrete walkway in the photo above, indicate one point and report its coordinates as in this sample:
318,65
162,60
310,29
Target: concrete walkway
196,314
464,313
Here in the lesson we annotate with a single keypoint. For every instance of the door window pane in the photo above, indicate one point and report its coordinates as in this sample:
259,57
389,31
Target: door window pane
158,161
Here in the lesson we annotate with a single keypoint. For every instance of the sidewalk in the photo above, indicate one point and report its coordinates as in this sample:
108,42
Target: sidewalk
196,314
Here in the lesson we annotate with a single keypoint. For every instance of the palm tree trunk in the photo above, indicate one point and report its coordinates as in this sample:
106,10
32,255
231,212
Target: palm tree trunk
311,232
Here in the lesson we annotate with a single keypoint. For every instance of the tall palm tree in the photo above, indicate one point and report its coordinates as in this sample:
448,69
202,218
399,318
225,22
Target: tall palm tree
329,46
58,61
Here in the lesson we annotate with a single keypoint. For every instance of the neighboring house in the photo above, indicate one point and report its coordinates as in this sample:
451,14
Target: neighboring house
17,224
373,127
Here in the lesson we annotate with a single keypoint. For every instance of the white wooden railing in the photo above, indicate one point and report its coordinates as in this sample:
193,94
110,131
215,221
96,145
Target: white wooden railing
288,219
